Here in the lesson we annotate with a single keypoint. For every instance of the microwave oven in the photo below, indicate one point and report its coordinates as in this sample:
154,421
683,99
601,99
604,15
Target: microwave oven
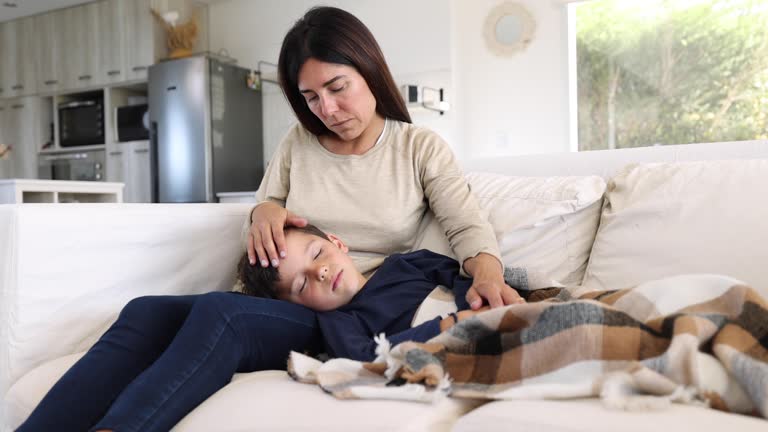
132,122
78,166
81,122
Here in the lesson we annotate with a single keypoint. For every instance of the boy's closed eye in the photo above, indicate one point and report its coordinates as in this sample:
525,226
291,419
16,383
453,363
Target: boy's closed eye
304,283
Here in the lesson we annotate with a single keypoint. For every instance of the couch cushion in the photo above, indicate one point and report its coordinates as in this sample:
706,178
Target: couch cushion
271,401
546,223
265,401
664,219
589,415
28,391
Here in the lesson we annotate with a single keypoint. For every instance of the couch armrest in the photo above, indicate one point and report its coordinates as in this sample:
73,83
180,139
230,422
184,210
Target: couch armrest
67,270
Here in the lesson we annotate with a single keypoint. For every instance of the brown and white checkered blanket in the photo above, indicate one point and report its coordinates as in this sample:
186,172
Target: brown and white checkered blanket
700,339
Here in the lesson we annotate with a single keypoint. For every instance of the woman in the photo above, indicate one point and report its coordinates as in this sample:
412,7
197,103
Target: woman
357,165
354,160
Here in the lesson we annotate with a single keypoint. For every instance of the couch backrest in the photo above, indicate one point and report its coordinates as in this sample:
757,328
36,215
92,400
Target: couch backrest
669,209
607,163
68,269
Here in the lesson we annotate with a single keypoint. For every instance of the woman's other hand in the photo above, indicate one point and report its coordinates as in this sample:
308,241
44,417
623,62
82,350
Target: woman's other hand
266,239
488,283
449,321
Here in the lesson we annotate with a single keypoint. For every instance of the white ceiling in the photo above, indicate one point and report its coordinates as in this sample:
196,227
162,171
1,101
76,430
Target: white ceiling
32,7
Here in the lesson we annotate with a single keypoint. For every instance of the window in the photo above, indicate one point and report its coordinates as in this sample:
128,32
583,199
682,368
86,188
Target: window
657,72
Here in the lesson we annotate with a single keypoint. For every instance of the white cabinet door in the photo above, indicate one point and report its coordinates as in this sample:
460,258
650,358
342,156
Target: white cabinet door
139,38
6,165
17,38
26,57
8,63
12,136
22,115
129,163
79,45
70,59
50,51
140,177
3,55
108,34
117,165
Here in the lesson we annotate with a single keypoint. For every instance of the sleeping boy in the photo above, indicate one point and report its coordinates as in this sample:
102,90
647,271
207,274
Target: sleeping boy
318,273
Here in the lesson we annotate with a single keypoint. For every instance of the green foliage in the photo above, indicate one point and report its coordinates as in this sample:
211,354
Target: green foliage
671,72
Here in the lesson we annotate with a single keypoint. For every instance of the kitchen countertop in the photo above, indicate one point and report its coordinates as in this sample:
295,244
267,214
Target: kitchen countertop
234,197
56,191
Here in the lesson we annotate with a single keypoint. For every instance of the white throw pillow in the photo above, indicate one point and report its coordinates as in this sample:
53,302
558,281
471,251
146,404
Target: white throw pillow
664,219
543,223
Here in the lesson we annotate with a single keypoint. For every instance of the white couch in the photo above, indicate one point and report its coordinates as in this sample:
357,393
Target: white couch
66,270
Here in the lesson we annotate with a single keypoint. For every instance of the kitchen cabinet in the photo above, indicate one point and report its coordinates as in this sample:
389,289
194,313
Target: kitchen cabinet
129,163
80,47
6,165
108,34
140,36
19,59
140,178
84,47
20,130
50,52
3,55
79,40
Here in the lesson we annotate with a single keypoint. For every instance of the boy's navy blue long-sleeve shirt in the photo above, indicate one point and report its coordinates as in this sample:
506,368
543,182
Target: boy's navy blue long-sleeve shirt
388,302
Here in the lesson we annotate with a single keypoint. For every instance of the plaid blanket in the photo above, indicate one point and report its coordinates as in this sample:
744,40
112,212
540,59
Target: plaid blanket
697,339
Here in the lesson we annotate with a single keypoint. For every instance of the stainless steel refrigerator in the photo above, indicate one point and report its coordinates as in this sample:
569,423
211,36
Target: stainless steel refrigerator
205,130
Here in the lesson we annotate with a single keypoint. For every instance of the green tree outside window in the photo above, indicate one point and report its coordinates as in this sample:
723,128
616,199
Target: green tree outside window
658,72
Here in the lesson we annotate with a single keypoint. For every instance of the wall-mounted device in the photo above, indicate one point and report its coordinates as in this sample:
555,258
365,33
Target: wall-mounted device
430,98
436,102
411,94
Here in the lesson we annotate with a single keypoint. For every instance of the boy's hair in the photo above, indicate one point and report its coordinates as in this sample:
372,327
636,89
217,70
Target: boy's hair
260,281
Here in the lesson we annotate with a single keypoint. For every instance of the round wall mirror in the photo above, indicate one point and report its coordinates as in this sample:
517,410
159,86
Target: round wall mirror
508,28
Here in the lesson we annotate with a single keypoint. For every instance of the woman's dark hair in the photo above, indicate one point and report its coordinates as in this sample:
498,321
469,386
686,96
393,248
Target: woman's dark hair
333,35
260,281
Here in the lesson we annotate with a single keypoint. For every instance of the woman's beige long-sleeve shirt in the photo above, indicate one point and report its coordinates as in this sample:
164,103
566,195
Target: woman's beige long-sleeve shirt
375,202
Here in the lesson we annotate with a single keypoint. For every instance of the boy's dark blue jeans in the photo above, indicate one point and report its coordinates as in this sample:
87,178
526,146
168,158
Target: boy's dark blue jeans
166,354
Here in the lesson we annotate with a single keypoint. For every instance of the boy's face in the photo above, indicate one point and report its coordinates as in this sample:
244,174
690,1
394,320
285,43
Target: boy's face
317,273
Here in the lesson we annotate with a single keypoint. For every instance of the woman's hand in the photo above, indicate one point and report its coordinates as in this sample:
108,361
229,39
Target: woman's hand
488,283
266,240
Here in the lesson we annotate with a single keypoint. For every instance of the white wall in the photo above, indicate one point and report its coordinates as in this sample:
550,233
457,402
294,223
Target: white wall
513,105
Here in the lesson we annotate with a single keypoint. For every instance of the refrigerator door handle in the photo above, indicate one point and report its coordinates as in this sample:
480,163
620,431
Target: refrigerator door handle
153,161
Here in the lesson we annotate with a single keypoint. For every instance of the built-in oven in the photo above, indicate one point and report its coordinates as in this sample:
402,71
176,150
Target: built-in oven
80,166
81,122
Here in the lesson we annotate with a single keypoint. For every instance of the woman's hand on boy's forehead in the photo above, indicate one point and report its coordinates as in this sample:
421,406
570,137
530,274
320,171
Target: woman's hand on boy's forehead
266,239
